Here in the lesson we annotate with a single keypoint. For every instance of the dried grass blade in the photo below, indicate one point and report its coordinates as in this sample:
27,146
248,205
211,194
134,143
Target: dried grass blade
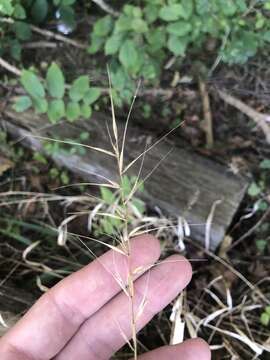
126,125
257,348
114,125
209,224
107,152
150,148
99,242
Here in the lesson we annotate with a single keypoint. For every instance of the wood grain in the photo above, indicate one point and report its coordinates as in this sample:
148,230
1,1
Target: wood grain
179,180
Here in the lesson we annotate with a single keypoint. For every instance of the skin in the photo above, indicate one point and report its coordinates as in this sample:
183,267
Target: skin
85,315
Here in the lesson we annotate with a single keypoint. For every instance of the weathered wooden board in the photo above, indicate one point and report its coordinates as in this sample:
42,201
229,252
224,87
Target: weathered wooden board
183,177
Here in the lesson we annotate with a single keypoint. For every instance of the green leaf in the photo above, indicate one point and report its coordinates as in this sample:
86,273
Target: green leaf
267,5
241,47
157,38
203,7
107,195
265,319
6,7
40,158
79,88
86,111
64,178
91,95
32,84
67,2
260,22
123,24
56,110
126,185
73,111
187,9
177,45
171,12
139,25
242,5
139,204
103,26
129,56
179,28
55,81
41,105
39,10
151,13
266,36
15,49
22,30
107,225
230,8
132,11
84,136
262,206
113,44
22,103
150,70
267,310
67,16
261,245
254,190
265,164
96,44
19,12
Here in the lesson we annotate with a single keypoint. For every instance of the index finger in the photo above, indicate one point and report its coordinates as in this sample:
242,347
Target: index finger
56,317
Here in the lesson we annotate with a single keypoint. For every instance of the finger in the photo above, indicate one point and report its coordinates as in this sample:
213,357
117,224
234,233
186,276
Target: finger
55,318
105,332
189,350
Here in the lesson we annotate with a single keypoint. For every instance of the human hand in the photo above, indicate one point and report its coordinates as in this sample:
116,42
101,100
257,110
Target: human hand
85,315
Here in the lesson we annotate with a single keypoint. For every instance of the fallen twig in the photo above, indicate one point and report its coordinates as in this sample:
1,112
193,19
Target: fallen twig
40,44
50,34
104,6
9,67
261,120
208,121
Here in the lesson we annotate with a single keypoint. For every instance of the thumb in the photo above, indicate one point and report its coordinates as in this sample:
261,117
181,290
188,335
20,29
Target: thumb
189,350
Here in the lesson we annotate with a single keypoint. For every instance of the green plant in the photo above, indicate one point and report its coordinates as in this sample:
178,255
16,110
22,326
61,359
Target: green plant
15,153
54,97
40,158
61,175
259,186
16,29
143,36
265,317
255,188
146,32
111,225
64,146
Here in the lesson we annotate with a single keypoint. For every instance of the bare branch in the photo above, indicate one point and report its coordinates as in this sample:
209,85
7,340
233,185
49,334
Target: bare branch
50,34
104,6
262,120
9,67
208,121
